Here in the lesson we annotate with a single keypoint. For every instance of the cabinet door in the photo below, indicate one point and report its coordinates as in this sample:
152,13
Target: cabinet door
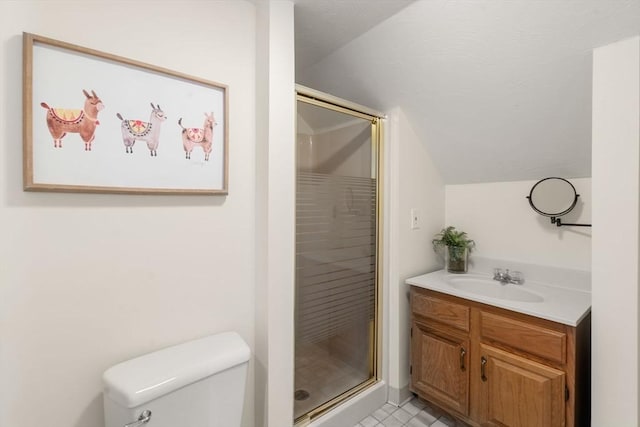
517,392
439,367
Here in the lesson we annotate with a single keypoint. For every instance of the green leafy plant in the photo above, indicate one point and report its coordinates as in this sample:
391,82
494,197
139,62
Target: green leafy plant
451,237
456,243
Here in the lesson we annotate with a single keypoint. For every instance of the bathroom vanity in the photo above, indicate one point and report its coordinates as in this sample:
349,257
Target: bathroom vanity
497,354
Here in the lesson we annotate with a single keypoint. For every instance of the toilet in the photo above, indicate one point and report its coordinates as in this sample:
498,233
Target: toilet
199,383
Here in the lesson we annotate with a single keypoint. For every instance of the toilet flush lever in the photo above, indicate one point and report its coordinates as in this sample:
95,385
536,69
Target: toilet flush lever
144,418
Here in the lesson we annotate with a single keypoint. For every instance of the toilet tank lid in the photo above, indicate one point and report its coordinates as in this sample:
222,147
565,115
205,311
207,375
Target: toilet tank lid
140,380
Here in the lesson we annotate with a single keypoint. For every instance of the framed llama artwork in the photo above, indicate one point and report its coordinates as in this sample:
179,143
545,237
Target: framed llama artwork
100,123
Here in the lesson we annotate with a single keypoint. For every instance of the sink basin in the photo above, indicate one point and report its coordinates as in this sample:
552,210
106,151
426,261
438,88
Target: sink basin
492,288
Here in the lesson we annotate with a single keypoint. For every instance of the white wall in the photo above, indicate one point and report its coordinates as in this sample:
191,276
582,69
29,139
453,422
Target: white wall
616,171
275,214
498,217
414,184
87,280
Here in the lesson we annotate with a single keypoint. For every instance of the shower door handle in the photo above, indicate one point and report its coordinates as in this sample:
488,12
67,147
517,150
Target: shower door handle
144,418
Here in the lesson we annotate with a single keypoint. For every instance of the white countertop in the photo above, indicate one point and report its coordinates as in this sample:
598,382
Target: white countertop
566,305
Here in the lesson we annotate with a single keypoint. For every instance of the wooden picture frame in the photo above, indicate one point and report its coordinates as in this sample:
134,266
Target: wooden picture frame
100,123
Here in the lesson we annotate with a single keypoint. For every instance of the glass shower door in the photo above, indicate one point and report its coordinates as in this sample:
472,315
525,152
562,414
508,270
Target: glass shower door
336,255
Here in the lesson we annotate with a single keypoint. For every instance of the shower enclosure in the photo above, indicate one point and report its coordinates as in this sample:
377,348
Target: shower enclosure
337,251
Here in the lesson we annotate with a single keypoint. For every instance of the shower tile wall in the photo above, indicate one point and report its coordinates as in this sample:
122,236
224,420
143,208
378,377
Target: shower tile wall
343,151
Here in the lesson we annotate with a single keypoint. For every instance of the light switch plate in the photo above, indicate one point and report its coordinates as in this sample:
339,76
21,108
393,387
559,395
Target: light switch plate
415,219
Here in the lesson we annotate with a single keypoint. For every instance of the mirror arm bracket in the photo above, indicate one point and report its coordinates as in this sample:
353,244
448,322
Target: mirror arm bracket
559,223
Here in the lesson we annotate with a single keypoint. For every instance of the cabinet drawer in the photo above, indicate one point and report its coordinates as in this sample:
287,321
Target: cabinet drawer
446,312
533,339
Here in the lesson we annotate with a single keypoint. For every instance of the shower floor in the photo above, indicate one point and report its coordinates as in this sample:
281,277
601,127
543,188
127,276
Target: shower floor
323,376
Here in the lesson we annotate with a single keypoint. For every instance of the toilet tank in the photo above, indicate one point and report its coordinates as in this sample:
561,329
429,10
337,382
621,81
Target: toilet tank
199,383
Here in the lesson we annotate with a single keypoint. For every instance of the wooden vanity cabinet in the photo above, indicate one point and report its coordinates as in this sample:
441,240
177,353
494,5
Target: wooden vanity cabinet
440,370
494,367
518,392
440,347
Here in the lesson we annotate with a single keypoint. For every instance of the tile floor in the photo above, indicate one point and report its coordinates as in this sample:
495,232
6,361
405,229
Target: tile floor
414,413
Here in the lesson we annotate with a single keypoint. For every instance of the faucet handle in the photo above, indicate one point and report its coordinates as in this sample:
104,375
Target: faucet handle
498,273
516,277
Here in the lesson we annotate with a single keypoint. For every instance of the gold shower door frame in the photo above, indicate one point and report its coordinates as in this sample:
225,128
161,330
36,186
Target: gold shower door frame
319,99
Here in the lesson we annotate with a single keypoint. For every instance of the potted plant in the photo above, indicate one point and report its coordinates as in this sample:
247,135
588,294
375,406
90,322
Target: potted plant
457,246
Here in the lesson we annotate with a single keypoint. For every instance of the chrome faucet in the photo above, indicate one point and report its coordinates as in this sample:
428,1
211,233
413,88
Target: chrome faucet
505,277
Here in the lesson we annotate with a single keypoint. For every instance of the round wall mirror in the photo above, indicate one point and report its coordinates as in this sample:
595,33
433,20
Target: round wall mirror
553,197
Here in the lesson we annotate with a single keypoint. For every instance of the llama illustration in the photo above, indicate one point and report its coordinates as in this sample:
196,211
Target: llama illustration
134,130
202,137
61,121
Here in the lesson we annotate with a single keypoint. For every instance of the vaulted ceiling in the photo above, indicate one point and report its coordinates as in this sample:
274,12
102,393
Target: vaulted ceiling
497,90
